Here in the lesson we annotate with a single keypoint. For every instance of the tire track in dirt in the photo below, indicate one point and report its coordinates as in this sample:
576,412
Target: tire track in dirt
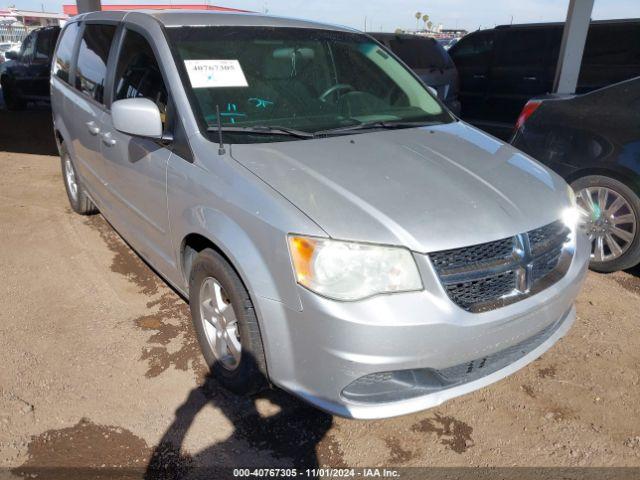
172,343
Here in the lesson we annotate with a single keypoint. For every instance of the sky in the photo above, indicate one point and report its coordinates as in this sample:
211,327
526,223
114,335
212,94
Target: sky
388,15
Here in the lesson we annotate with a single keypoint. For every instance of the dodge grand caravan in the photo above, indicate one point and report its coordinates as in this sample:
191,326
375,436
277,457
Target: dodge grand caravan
338,233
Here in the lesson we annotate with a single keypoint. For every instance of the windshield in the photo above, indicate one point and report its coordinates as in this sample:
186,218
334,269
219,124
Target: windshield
290,78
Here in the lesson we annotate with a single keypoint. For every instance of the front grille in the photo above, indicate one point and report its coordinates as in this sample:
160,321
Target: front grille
463,257
467,294
549,237
490,275
546,264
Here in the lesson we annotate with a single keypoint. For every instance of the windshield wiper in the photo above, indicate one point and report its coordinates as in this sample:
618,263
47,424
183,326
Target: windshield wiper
265,130
372,125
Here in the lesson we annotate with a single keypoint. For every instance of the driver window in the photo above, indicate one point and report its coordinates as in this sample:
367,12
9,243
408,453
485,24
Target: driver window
26,52
138,73
44,45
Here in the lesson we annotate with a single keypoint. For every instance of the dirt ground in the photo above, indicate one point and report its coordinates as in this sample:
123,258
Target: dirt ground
100,368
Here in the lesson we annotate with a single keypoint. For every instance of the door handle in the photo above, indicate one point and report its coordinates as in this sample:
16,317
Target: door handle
93,128
108,140
479,77
531,79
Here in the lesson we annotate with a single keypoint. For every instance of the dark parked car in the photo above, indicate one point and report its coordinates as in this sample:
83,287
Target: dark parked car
429,60
24,77
500,69
593,141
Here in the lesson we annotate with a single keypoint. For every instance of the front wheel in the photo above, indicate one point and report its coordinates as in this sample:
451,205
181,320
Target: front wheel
610,211
226,325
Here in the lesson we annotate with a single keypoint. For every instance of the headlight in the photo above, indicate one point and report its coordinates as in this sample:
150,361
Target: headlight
571,214
352,271
572,196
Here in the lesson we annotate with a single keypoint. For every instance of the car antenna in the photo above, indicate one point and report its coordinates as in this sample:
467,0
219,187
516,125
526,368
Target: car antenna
221,150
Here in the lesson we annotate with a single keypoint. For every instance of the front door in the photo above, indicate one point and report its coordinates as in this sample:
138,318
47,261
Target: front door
136,167
22,71
41,62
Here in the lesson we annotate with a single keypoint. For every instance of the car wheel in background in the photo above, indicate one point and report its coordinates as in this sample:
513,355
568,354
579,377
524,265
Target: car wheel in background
226,325
610,213
80,202
11,96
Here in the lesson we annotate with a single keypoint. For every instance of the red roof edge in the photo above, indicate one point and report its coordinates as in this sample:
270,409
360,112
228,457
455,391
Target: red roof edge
73,9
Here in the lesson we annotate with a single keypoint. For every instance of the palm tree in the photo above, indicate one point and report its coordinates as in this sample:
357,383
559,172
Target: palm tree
418,16
429,25
425,19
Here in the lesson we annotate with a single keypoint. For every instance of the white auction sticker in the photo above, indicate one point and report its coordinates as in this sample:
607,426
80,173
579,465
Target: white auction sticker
215,73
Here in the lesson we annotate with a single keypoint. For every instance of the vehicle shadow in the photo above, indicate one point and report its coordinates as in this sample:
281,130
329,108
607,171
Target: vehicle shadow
27,131
286,437
635,271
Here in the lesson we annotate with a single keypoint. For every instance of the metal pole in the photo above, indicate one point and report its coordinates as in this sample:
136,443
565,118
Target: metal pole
85,6
574,38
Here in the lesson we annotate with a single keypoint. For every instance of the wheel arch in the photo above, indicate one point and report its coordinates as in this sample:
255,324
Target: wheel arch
258,253
192,244
627,176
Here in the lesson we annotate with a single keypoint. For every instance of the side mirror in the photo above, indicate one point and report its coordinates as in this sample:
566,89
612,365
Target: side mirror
11,55
137,116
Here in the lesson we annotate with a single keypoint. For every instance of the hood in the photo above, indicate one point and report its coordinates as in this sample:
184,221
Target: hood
429,189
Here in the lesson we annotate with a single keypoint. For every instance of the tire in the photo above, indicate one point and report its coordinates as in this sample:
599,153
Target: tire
629,255
12,98
246,375
78,198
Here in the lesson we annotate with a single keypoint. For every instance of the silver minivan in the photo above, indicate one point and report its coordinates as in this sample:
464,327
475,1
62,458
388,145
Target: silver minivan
338,232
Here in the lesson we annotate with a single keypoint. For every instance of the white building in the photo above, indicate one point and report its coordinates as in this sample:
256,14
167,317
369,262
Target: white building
15,24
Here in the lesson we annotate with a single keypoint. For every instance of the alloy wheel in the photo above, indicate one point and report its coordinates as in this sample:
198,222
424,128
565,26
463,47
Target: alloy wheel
70,178
220,323
608,219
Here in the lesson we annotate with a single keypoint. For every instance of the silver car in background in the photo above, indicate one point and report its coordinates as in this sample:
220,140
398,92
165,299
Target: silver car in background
338,233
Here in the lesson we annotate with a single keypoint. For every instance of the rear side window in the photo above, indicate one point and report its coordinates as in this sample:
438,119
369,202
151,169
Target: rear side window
612,45
419,53
138,73
45,44
62,62
28,45
474,50
92,60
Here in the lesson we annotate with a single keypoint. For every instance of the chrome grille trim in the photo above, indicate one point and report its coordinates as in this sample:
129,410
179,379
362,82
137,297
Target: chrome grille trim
492,275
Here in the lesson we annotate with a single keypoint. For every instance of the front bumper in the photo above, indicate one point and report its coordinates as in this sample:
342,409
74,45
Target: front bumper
318,352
